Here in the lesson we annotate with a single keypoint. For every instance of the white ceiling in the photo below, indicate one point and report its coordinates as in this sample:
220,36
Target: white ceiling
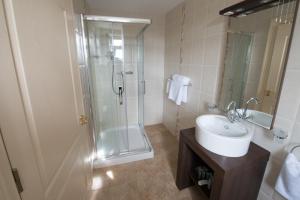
131,7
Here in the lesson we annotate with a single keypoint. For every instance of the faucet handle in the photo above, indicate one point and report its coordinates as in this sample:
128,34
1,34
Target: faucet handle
232,113
256,100
231,104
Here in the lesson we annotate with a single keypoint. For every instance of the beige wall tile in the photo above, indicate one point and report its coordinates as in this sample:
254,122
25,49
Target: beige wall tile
203,49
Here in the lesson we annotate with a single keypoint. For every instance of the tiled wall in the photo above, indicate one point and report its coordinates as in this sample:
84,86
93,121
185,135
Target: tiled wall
203,41
201,46
153,65
154,44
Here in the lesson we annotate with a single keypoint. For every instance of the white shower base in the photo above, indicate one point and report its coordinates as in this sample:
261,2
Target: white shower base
115,146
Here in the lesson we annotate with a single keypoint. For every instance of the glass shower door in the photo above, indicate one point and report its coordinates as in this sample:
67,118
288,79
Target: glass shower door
141,80
106,60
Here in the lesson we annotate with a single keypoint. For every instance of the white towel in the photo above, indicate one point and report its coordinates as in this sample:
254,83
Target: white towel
288,182
178,89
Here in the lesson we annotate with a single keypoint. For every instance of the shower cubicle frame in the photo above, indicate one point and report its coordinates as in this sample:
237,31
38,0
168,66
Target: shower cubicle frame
134,154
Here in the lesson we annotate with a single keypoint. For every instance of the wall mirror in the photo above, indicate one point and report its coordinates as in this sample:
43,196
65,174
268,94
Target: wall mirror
255,58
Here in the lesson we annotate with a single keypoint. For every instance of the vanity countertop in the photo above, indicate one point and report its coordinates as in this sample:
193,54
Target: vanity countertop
232,176
215,161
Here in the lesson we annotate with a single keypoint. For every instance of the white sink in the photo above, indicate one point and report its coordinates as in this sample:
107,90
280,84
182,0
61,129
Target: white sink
218,135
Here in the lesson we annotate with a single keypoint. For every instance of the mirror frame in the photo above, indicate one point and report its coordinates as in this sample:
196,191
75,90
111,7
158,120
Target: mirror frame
284,68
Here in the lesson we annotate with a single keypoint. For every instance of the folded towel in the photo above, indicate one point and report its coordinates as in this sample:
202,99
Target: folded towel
178,89
289,178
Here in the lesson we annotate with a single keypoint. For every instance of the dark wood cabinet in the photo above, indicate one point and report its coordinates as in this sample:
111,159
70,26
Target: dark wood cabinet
233,178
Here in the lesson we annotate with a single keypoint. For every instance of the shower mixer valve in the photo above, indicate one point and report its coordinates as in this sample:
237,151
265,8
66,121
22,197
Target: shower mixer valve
121,95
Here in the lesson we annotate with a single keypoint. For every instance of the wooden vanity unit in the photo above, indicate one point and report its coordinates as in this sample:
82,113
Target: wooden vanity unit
233,178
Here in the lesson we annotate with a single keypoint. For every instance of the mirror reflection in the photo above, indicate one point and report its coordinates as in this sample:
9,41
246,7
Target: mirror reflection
255,59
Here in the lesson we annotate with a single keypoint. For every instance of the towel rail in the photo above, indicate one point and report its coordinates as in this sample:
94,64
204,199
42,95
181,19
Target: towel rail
190,84
295,147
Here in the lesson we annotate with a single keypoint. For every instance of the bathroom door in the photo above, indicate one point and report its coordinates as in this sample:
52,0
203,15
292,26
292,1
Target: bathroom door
41,100
106,62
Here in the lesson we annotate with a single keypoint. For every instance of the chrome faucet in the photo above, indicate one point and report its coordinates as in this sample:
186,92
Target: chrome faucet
251,100
232,113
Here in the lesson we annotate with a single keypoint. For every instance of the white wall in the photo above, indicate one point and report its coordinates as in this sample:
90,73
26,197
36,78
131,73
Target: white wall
153,63
204,39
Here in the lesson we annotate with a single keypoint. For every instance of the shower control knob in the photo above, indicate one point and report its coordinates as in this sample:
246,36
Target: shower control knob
129,72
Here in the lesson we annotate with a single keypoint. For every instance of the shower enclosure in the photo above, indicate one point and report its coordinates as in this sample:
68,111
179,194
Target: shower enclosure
114,56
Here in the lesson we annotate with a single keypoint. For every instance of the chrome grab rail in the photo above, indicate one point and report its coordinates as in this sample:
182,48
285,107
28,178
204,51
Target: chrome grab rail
190,84
295,147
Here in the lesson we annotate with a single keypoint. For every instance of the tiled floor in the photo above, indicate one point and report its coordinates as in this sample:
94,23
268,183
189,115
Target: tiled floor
152,179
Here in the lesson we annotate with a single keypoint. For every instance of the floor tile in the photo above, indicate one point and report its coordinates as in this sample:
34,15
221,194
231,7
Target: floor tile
152,179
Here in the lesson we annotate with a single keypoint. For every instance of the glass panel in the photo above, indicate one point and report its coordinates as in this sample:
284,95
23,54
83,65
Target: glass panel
106,60
116,64
141,81
134,65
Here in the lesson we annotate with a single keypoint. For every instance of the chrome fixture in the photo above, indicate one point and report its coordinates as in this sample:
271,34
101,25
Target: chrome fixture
232,114
129,73
189,84
251,100
111,56
117,19
295,147
279,134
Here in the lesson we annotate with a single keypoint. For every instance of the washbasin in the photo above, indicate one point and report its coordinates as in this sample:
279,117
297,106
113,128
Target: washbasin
218,135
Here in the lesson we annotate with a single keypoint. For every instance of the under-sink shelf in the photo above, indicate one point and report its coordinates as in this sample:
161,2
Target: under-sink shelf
231,176
203,189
